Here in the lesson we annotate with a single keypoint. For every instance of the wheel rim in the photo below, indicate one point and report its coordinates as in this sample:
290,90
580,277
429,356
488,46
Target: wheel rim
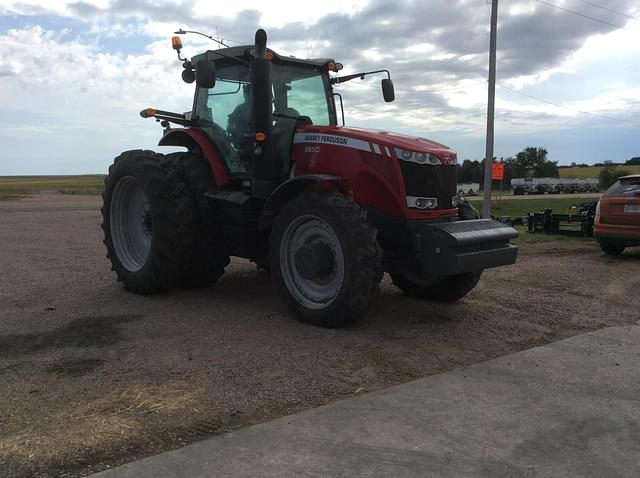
312,232
131,224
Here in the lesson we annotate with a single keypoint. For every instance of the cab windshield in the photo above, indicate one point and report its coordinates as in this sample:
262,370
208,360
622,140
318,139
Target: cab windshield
300,96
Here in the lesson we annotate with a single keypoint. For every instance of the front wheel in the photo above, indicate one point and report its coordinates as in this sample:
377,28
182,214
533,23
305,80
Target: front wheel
611,248
449,289
324,258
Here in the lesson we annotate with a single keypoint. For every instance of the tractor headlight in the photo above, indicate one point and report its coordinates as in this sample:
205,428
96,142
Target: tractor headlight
421,158
422,203
417,157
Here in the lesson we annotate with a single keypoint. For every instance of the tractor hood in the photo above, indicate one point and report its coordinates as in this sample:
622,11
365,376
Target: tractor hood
382,142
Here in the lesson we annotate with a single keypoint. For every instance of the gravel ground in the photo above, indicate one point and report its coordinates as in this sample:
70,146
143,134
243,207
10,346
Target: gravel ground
92,376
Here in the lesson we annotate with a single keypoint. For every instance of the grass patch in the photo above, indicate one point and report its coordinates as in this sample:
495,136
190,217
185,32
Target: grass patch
592,172
12,193
520,207
526,237
12,187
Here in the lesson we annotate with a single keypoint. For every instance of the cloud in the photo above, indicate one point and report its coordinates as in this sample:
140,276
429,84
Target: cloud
80,83
85,98
532,37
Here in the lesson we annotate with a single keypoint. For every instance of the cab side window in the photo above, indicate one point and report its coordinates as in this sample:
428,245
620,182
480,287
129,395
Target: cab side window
307,96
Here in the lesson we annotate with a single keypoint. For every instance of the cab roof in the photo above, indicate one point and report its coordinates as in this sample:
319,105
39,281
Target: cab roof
246,53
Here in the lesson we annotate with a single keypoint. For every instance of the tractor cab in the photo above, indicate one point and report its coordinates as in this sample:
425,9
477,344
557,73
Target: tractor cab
300,95
250,102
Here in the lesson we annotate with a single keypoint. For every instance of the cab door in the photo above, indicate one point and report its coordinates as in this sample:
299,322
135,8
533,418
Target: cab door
224,112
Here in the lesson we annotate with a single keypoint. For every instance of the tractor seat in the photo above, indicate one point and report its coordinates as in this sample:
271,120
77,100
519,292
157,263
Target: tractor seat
283,130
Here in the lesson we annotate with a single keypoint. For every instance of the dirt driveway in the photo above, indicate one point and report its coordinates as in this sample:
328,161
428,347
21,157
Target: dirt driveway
92,376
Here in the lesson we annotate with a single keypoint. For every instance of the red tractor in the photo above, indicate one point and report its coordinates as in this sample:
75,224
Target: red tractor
269,175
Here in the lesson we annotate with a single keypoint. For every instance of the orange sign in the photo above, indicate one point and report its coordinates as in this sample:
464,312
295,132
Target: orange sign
497,171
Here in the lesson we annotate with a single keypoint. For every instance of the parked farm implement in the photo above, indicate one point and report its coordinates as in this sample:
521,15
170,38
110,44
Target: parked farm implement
577,222
521,186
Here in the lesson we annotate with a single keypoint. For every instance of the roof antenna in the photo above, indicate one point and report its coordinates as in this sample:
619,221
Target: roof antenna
210,37
218,36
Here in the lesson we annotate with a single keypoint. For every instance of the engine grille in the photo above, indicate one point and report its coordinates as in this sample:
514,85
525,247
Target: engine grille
435,181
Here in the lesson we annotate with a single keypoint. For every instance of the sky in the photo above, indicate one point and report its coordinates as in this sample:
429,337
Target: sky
75,74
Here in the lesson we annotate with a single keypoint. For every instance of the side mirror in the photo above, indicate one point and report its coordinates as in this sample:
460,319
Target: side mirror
388,93
205,74
188,76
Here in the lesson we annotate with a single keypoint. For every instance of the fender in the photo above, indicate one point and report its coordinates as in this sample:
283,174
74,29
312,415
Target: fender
192,138
290,188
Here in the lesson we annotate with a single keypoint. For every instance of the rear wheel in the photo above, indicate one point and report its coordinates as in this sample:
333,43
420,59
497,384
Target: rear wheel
209,256
148,222
449,289
325,259
611,248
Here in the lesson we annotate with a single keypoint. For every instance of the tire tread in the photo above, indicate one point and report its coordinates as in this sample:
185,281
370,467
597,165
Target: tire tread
359,238
173,221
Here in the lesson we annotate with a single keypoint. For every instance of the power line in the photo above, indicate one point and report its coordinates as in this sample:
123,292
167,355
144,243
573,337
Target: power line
436,90
558,105
580,14
610,10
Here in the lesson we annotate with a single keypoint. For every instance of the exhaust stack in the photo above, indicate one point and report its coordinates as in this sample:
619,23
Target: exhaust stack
267,168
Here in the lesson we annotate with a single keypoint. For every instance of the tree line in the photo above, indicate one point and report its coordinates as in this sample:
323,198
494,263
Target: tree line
530,162
533,162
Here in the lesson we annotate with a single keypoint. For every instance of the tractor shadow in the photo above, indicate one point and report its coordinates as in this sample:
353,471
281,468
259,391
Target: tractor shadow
80,333
253,290
245,285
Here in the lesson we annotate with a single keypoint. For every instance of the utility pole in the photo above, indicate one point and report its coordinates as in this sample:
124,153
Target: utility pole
488,157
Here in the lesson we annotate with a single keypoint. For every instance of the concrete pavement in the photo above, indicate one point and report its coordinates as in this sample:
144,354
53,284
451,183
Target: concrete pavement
568,409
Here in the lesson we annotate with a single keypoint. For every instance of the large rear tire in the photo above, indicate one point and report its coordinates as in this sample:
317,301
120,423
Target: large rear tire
449,289
325,259
148,222
209,256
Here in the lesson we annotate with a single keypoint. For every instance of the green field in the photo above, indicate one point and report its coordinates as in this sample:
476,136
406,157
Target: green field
534,238
592,172
21,186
